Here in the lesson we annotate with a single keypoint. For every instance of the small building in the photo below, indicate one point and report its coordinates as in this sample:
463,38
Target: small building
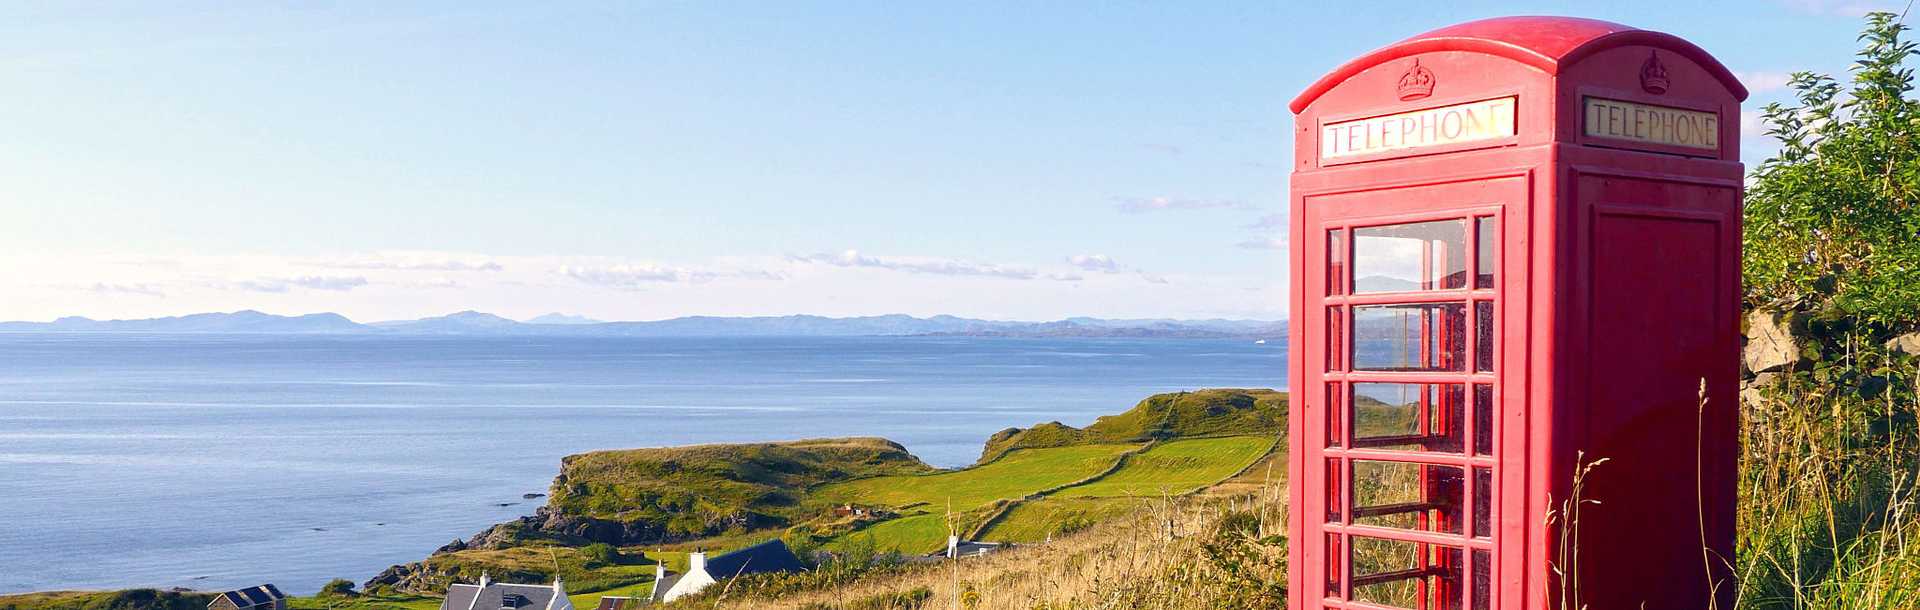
770,556
263,597
489,595
849,510
957,548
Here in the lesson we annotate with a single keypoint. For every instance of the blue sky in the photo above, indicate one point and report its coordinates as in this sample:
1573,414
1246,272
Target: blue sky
648,160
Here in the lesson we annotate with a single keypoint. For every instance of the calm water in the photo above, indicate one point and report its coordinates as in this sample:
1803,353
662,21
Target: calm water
223,461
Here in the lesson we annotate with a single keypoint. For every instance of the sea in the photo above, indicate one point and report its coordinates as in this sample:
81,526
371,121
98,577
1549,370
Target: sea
220,461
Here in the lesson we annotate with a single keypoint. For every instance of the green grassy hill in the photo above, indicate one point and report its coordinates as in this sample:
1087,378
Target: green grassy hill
1015,475
131,599
687,490
1215,412
1176,467
1053,478
1037,520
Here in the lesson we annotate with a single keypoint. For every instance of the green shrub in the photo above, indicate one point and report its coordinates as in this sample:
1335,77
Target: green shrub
339,587
600,554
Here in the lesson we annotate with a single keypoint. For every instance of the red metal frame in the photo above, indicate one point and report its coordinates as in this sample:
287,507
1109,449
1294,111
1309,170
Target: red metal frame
1611,261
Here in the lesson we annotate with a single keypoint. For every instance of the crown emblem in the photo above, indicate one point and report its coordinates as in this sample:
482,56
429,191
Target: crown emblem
1653,74
1416,83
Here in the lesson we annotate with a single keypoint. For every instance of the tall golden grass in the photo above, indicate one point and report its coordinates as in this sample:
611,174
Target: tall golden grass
1827,515
1829,519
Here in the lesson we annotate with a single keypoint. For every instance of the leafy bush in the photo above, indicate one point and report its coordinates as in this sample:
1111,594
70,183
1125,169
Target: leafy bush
1829,467
1833,220
600,554
338,587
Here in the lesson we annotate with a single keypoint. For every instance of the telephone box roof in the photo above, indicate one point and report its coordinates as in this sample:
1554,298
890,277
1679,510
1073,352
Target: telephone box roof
1546,43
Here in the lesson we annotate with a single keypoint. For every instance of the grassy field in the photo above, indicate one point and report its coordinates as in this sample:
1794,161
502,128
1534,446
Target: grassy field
1265,473
1035,521
370,602
145,599
687,490
1200,413
1176,467
587,601
915,535
1015,475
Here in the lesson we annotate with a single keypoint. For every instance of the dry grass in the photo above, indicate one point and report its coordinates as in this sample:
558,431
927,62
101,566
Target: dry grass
1828,502
1176,553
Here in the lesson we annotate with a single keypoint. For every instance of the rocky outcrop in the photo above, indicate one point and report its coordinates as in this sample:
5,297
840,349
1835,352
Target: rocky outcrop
396,577
1771,343
575,530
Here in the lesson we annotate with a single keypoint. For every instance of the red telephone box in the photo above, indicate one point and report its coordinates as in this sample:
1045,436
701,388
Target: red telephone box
1515,249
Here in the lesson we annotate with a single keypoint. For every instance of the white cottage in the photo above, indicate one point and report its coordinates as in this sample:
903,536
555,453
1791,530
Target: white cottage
769,556
488,595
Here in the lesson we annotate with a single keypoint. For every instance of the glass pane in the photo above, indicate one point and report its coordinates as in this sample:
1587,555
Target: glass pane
1334,484
1336,406
1408,496
1333,565
1443,592
1483,419
1484,264
1417,256
1398,574
1482,580
1411,337
1336,262
1483,502
1408,416
1483,336
1336,338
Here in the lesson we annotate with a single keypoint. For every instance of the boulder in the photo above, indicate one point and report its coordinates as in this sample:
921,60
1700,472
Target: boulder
1771,344
390,577
452,547
1908,343
1751,390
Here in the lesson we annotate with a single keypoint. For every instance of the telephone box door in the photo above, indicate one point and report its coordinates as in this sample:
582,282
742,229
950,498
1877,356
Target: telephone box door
1411,436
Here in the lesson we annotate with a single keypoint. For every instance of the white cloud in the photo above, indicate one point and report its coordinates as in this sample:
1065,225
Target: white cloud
328,283
137,289
1136,205
1764,81
636,276
1095,262
411,261
933,266
1264,243
283,284
632,276
1751,124
1270,221
117,285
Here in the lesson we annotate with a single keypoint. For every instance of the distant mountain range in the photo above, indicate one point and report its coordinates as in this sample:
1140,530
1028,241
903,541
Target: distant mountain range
478,323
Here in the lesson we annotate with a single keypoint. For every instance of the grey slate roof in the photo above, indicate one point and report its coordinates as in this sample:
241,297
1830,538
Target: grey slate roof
496,597
662,586
769,556
254,596
459,597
